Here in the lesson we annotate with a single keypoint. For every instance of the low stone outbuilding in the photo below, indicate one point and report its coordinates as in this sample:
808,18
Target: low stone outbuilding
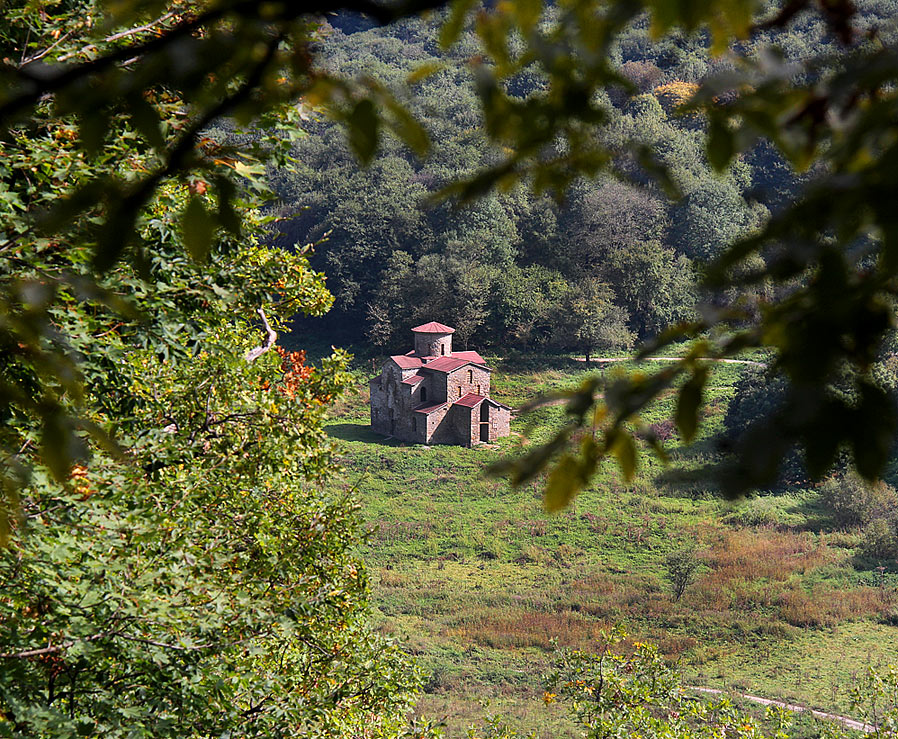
433,395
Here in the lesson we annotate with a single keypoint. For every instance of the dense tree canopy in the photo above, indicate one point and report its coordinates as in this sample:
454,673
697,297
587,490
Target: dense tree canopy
170,564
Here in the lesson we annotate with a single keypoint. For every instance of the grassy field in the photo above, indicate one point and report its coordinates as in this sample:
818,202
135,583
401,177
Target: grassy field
482,585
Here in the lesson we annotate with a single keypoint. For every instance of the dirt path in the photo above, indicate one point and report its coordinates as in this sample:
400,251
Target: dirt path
847,722
608,360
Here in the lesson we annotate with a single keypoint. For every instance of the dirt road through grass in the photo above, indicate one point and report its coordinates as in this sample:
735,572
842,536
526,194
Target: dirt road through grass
847,722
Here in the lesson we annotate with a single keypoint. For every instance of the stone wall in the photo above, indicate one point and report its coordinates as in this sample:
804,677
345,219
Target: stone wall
392,403
439,428
463,424
466,380
433,345
500,422
415,394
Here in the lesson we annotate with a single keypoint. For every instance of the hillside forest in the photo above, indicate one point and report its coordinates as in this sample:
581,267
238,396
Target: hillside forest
608,264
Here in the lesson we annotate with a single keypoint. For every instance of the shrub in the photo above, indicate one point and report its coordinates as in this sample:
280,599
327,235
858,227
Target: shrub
855,502
879,541
682,566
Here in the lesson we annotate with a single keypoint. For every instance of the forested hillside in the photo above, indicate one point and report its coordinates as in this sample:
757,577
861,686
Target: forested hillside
602,265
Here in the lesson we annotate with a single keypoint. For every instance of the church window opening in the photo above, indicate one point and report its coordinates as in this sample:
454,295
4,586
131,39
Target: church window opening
442,349
470,376
423,394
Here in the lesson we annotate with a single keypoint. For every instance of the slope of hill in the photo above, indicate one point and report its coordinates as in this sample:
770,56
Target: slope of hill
483,585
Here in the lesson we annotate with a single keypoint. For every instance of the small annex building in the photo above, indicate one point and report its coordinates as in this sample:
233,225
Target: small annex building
433,395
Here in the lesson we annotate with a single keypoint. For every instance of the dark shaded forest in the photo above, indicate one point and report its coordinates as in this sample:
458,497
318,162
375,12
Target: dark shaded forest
600,267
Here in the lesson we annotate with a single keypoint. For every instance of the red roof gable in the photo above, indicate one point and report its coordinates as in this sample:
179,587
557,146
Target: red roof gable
428,409
446,364
469,356
433,328
406,362
470,400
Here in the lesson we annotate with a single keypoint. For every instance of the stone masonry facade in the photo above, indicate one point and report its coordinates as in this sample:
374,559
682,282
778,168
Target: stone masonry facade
433,395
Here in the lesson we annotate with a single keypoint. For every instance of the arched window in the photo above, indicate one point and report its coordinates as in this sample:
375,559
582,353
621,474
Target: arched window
470,376
443,349
423,394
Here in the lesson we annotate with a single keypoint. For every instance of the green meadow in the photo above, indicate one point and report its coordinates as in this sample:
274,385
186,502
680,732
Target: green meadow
483,586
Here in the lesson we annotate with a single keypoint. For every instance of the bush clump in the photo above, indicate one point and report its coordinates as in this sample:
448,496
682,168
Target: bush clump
871,507
880,540
855,502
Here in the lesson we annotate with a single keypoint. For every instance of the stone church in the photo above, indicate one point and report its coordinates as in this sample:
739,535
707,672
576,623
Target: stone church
433,395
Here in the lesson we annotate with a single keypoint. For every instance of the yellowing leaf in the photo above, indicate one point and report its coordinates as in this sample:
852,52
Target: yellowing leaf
624,449
564,482
423,71
197,228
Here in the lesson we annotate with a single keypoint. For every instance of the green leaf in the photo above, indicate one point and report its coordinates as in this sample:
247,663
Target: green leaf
624,450
564,482
227,214
408,129
874,435
688,403
197,229
527,13
56,444
721,145
454,24
146,120
493,33
92,129
423,71
364,130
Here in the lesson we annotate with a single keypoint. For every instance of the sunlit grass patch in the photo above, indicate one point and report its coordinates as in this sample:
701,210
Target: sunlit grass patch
481,583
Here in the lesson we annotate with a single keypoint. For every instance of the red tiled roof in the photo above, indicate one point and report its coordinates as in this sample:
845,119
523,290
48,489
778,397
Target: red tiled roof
406,362
428,409
433,328
413,380
501,405
446,364
470,400
470,357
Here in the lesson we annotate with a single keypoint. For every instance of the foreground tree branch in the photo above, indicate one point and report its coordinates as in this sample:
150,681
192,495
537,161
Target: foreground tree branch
271,337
